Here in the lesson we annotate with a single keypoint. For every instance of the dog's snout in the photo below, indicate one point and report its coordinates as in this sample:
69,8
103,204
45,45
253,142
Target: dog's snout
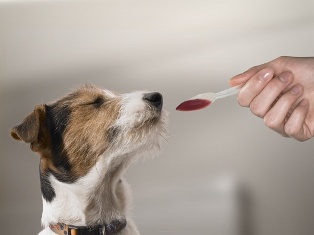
154,99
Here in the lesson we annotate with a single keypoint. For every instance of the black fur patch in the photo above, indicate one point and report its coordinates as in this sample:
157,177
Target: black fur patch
46,188
57,117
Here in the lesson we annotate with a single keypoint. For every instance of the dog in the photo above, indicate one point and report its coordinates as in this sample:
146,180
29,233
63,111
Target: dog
86,140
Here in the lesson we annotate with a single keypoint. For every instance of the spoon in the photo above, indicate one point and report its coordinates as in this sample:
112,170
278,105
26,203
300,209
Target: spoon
203,100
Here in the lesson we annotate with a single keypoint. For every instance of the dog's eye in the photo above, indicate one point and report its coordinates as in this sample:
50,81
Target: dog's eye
98,102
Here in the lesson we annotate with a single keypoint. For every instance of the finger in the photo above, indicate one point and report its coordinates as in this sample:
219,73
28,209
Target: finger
261,104
295,126
275,118
245,76
254,86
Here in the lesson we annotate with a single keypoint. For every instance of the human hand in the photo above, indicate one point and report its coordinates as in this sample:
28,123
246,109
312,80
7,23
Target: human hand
282,93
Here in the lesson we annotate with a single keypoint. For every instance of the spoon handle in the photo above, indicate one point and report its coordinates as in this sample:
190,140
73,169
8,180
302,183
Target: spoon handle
228,92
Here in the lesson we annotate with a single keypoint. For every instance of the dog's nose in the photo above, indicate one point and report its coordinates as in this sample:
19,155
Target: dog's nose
154,98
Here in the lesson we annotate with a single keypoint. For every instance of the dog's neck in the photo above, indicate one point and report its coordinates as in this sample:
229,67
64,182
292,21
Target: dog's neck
95,199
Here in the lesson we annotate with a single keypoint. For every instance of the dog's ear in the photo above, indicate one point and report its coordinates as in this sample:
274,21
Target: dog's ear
30,130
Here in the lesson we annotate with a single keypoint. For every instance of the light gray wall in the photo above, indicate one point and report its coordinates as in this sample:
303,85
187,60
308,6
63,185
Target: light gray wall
179,48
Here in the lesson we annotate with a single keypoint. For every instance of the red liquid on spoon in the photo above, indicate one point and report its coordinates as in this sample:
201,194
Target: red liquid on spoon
191,105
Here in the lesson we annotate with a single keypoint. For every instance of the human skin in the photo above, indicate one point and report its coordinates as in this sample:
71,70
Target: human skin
281,92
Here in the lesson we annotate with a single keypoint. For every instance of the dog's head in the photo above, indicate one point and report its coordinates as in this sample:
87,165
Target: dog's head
70,134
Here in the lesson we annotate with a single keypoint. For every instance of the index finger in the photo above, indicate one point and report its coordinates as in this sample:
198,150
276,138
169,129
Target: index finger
245,76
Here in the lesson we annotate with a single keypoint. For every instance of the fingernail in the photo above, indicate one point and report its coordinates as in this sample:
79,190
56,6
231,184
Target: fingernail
265,74
285,77
296,89
304,102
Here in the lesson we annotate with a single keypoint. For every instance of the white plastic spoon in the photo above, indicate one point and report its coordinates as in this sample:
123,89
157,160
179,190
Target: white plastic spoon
201,101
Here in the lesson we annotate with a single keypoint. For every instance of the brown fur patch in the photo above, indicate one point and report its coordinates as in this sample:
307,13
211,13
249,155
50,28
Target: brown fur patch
85,136
34,131
29,129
